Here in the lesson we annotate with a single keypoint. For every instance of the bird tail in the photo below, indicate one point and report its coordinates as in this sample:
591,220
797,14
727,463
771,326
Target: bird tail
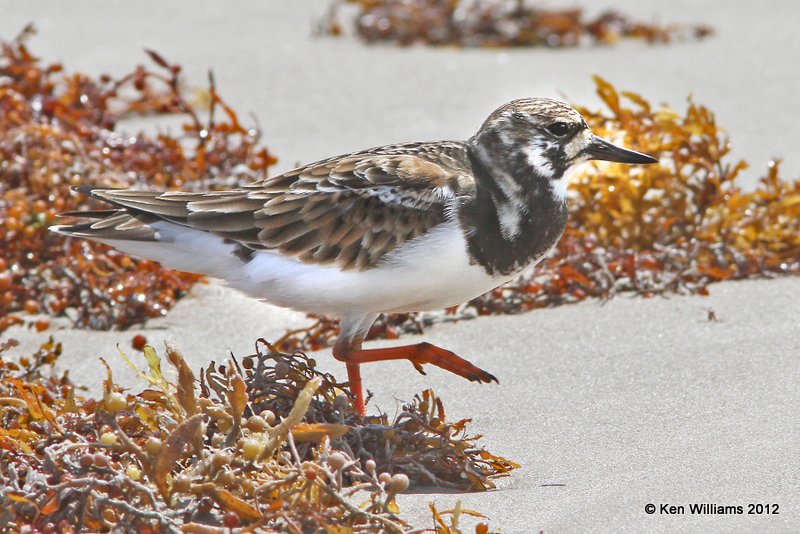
147,234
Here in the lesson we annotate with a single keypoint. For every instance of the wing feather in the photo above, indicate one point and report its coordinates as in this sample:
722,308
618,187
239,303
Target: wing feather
351,210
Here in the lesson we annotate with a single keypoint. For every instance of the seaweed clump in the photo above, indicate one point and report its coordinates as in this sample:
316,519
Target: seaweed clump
59,129
494,23
269,443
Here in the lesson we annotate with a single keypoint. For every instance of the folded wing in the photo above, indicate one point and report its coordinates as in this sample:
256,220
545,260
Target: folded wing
349,211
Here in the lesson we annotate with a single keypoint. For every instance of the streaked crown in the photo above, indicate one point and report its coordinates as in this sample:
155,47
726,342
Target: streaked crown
537,111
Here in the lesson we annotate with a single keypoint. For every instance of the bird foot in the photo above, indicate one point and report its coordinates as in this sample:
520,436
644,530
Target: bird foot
419,355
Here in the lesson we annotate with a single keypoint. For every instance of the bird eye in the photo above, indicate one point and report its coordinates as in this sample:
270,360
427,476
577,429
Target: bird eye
559,129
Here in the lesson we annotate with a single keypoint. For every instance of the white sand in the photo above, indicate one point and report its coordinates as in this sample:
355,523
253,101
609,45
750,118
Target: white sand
607,408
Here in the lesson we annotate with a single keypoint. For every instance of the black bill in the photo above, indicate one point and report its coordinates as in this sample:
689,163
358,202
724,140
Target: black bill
603,150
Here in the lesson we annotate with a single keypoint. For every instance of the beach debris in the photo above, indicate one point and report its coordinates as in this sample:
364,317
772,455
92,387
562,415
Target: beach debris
493,23
59,129
264,443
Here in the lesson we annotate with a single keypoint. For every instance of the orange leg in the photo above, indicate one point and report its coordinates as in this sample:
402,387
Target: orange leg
421,353
354,382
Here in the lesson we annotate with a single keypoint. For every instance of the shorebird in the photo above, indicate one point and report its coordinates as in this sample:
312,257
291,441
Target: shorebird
397,228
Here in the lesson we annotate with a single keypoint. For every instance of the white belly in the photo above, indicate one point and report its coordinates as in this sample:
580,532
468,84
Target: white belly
430,273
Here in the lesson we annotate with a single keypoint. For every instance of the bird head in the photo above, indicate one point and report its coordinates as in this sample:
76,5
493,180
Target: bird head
546,136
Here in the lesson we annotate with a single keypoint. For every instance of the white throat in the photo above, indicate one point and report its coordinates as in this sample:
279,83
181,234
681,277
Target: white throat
559,187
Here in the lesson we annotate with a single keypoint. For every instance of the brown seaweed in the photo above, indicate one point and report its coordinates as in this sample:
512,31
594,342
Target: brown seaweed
59,129
493,23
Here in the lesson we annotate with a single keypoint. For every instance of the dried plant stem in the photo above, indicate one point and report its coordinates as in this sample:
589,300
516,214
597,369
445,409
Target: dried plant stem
299,410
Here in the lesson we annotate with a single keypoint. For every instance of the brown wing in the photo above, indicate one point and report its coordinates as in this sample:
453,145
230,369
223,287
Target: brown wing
350,210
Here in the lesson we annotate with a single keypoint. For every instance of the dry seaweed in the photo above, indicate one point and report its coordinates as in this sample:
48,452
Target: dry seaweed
494,23
59,129
269,443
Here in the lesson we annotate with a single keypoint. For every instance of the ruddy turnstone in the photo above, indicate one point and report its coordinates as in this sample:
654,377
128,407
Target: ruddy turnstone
398,228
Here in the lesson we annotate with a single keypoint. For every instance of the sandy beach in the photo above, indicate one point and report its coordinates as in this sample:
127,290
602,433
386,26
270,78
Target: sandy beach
608,407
